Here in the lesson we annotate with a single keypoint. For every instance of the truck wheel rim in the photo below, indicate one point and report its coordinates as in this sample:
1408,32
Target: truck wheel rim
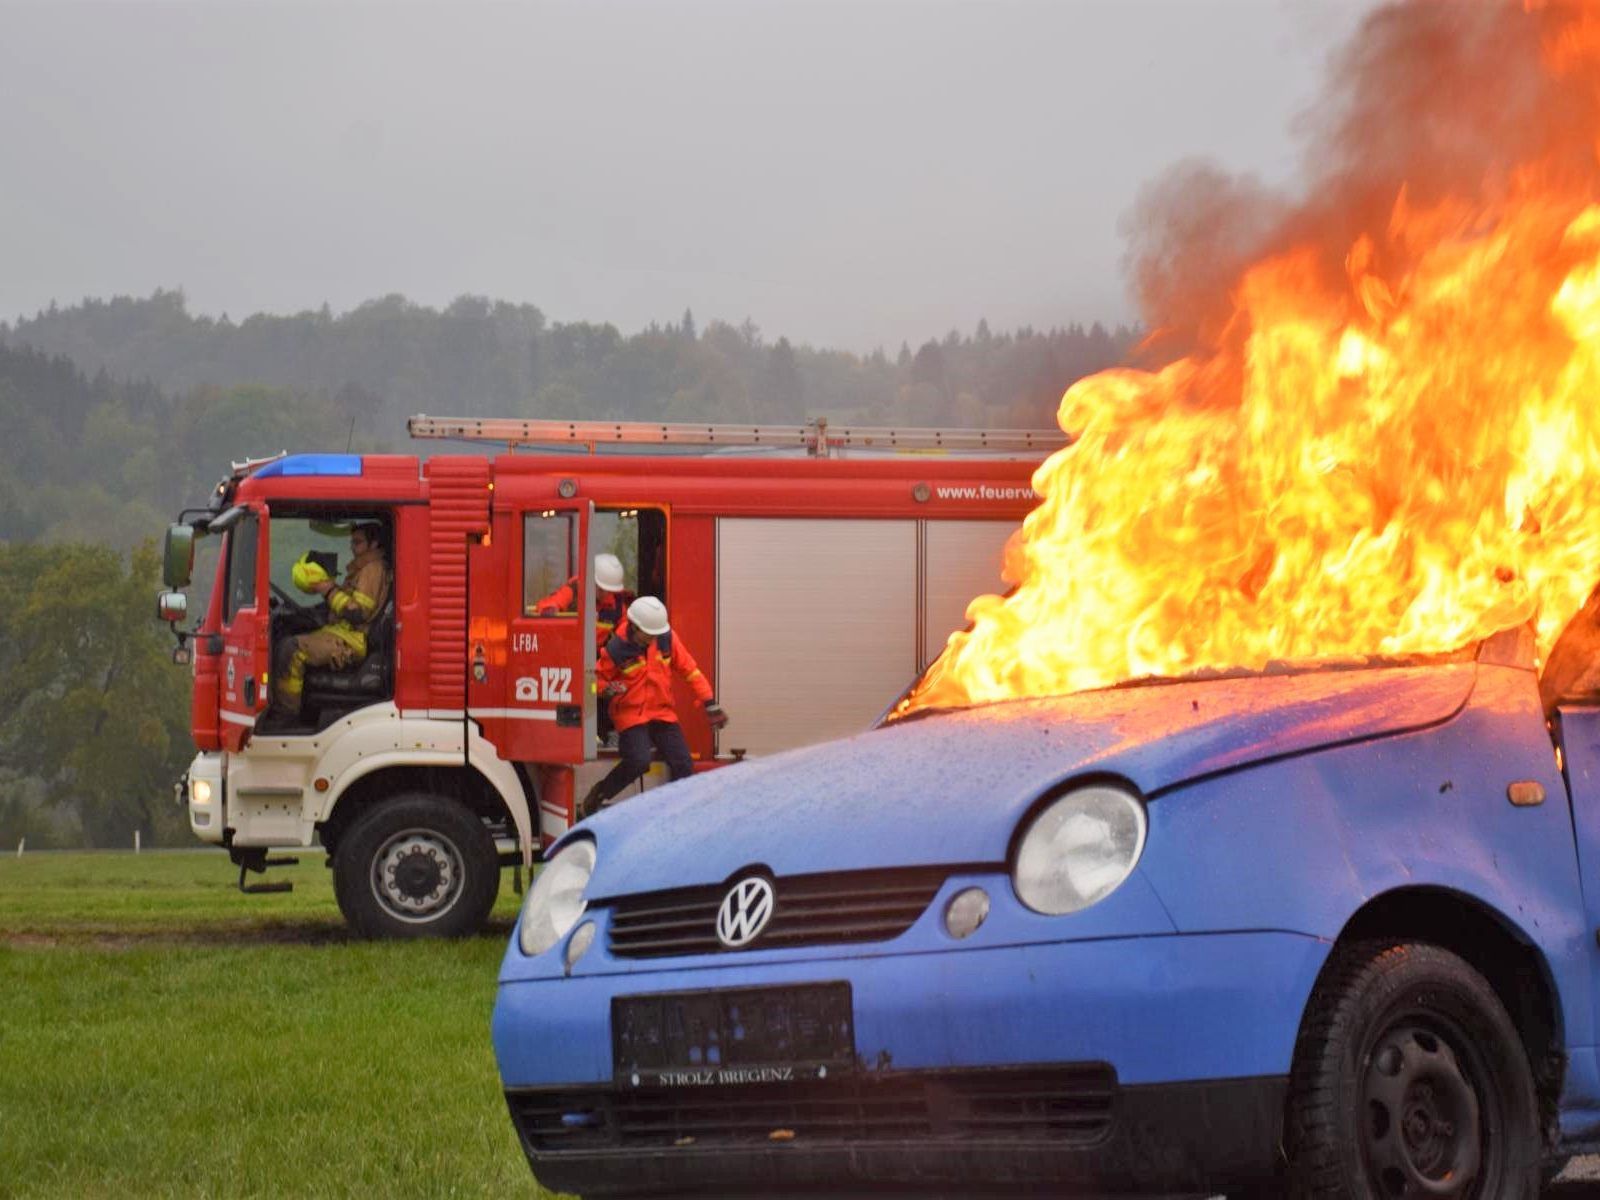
1423,1125
417,875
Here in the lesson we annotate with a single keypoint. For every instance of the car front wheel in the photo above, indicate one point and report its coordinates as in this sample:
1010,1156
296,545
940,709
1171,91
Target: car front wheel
1409,1080
414,866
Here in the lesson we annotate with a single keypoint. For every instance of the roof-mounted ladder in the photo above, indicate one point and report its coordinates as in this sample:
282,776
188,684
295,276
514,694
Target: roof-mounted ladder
816,437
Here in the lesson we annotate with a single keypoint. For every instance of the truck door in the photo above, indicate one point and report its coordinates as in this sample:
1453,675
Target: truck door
548,691
245,626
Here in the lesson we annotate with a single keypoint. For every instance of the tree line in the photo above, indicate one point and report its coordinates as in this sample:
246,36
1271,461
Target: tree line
119,413
390,358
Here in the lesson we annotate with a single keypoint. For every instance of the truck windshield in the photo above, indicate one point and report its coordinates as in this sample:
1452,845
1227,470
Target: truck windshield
638,537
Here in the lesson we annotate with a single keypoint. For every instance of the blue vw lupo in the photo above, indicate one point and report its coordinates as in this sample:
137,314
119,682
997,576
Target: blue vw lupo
1321,932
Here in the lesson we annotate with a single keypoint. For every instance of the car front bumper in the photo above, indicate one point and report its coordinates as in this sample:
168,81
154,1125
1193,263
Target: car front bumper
1183,1040
1154,1138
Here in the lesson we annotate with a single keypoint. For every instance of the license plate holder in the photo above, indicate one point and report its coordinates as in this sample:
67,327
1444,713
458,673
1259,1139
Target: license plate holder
731,1036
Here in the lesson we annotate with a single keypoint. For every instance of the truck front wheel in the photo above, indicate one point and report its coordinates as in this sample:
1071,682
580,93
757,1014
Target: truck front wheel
416,865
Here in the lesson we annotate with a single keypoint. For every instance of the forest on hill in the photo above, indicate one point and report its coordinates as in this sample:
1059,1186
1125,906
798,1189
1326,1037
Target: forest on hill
389,358
118,413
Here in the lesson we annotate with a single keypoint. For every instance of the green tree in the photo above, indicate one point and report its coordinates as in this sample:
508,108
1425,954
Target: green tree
93,714
783,390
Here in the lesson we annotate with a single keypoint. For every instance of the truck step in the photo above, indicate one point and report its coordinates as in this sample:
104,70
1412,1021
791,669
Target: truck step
257,861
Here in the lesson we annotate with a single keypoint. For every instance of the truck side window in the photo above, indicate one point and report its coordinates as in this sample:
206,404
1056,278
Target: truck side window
638,537
293,536
241,567
549,566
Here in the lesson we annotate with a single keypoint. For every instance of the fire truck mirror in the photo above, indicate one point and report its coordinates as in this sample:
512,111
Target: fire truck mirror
172,607
177,560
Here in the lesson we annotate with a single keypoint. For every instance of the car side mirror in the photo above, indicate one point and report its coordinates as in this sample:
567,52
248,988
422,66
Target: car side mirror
172,607
177,558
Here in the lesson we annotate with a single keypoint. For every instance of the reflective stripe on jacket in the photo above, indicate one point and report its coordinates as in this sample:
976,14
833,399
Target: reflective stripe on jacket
646,674
358,599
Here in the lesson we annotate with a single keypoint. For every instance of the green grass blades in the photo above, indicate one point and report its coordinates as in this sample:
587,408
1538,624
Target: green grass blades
163,1035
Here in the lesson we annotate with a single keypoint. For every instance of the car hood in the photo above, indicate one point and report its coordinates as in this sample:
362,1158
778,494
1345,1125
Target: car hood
950,787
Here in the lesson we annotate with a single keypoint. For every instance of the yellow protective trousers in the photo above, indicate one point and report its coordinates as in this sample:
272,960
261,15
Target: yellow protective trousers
324,648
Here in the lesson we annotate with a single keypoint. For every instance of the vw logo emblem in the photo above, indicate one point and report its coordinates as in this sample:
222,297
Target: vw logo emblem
745,911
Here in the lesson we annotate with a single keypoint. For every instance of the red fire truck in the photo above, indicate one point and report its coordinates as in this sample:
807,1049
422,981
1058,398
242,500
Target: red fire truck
813,571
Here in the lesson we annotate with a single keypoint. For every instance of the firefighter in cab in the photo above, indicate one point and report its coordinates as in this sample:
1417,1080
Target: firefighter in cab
635,675
353,603
612,597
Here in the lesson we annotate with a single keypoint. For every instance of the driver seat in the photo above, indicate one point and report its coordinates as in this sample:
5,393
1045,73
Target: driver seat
370,679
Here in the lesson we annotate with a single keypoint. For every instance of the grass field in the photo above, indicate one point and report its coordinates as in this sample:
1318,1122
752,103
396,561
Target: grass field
163,1035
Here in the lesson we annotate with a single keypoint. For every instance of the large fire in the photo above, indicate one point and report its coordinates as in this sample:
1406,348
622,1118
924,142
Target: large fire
1387,441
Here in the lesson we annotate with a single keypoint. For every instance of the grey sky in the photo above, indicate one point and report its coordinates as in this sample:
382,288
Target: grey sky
848,174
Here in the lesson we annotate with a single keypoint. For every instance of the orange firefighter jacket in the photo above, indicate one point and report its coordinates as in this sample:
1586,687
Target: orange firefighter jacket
358,599
645,674
610,608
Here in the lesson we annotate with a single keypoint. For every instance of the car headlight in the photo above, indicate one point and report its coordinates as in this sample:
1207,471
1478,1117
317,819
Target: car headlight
555,902
1078,850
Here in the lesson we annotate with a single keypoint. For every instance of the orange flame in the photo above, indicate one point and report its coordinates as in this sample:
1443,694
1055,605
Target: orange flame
1395,454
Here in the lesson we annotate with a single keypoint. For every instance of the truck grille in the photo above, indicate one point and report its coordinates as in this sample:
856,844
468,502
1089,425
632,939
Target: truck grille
811,910
1067,1104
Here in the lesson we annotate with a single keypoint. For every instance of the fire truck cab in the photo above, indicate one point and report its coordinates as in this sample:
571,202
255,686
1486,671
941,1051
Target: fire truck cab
812,572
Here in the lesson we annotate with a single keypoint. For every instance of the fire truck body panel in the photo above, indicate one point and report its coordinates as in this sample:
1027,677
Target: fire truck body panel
285,788
438,506
806,588
895,589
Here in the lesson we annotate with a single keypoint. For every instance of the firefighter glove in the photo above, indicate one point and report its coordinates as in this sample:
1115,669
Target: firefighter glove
611,691
715,714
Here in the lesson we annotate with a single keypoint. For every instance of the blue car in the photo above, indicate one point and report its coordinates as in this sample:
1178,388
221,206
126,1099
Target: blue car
1312,932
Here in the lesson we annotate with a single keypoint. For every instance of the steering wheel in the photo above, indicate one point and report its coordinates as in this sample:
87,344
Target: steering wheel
287,600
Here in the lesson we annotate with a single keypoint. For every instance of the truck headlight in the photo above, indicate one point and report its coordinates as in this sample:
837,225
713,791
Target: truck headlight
555,902
200,791
1078,850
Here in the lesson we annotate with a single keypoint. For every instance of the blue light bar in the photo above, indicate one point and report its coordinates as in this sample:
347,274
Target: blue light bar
312,464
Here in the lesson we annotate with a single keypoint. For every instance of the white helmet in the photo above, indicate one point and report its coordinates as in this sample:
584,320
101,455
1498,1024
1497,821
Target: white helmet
650,615
608,573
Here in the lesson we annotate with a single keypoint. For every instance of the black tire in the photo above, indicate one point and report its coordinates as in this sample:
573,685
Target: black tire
416,866
1409,1080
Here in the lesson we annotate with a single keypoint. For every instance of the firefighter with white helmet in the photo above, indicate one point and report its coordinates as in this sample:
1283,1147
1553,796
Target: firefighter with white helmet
635,674
608,575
